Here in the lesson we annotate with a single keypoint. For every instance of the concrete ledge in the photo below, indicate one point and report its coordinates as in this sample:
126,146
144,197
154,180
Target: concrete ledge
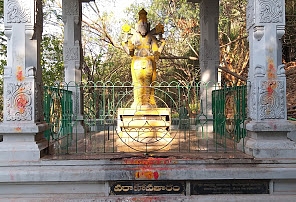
270,125
89,180
129,172
16,128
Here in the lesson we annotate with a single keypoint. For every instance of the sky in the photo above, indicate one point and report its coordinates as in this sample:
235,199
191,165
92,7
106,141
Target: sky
117,8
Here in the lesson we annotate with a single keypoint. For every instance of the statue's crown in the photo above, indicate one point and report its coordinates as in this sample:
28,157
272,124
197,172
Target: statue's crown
143,15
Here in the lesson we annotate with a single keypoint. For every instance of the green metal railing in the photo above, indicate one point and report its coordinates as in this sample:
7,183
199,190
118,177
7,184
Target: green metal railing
229,113
58,112
191,126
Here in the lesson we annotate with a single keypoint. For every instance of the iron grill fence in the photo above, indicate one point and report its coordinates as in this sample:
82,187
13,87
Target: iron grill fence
85,118
229,113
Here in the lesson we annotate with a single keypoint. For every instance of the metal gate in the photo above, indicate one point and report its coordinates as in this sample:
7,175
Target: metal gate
189,127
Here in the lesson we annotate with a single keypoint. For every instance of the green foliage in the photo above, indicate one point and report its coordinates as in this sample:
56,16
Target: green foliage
112,67
1,8
52,59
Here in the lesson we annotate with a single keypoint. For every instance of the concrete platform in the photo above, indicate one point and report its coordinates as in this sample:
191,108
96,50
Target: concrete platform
90,180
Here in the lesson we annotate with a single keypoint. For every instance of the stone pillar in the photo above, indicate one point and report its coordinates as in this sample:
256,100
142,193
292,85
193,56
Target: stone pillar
268,126
72,15
208,58
209,51
23,123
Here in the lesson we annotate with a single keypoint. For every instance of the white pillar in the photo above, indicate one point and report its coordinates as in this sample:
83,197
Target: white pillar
72,16
267,130
23,124
209,52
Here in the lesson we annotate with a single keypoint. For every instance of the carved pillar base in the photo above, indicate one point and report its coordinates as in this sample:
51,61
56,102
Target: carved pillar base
268,139
22,143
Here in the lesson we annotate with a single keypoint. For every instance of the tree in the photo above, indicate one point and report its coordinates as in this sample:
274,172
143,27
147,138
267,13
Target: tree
234,51
183,40
104,59
289,55
52,59
289,39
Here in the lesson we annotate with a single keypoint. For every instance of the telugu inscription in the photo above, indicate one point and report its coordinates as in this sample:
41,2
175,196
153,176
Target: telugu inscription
230,187
147,187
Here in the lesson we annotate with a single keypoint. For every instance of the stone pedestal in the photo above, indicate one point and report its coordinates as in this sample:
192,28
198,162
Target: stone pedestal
24,142
143,130
268,139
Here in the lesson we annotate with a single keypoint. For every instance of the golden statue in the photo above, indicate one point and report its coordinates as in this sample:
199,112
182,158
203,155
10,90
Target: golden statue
143,47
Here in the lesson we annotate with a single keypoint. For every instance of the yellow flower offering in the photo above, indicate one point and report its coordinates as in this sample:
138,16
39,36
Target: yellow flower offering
126,28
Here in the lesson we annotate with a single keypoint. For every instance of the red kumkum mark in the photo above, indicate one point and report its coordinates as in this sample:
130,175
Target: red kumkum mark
19,74
18,129
148,175
271,87
271,71
21,103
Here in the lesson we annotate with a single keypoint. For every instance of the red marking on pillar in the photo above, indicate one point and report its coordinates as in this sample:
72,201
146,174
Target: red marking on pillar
271,70
271,75
19,74
272,85
21,103
18,129
269,90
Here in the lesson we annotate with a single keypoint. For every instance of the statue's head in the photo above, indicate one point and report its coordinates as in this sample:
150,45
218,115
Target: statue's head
143,27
